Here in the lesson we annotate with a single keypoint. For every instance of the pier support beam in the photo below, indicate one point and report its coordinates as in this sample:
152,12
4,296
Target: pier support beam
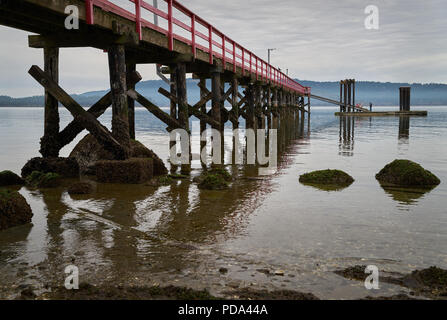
49,146
131,69
203,95
217,106
173,108
118,85
183,112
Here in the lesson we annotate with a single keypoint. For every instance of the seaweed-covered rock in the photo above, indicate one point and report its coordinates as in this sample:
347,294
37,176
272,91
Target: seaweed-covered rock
327,179
130,171
14,210
65,167
84,187
213,182
406,173
39,179
9,178
88,152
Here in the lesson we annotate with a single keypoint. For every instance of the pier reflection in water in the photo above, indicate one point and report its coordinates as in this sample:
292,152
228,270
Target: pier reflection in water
346,134
123,230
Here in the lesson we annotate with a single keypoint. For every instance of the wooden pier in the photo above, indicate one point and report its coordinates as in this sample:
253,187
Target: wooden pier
258,92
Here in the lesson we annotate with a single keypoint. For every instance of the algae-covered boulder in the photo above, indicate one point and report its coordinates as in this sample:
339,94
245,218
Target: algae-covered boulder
406,173
130,171
39,179
14,210
88,152
84,187
327,179
9,178
65,167
213,182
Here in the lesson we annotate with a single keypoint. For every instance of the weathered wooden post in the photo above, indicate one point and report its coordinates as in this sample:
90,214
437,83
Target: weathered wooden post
275,108
216,109
49,145
349,83
173,107
131,68
203,93
405,98
118,85
269,107
235,114
183,112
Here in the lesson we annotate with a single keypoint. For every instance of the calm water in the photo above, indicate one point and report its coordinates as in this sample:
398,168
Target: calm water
181,235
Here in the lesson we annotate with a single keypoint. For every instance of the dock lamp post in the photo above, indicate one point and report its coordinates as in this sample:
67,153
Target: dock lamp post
268,53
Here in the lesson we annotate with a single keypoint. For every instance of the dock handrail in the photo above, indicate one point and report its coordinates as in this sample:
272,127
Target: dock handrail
218,45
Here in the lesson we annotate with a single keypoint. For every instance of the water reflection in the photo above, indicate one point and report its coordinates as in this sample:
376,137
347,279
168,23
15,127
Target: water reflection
346,136
404,129
406,196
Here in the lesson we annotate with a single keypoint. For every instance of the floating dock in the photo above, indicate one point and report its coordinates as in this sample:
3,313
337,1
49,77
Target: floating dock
383,113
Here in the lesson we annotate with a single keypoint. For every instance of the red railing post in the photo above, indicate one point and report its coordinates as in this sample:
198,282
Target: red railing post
234,57
138,18
210,30
170,27
251,67
89,11
223,52
193,34
243,60
256,67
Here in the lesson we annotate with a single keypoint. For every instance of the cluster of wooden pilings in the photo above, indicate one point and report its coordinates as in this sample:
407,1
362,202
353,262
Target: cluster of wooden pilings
262,105
347,95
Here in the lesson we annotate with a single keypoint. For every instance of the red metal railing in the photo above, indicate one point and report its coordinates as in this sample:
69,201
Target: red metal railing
226,49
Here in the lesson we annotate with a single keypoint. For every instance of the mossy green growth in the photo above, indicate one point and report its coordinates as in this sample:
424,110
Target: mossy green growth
406,173
165,180
43,180
328,180
9,178
6,195
433,277
213,182
221,172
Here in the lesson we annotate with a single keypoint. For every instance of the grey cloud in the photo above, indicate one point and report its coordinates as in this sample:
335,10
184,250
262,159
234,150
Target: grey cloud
316,40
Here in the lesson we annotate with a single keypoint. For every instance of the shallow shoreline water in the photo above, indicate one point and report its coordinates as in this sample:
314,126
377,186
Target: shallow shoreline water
180,235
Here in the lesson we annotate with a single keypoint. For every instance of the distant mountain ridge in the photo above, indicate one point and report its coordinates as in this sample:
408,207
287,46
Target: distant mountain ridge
378,93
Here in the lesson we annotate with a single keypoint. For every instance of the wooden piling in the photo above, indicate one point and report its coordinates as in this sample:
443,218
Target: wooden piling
216,89
183,113
131,68
120,120
49,146
405,98
203,95
173,107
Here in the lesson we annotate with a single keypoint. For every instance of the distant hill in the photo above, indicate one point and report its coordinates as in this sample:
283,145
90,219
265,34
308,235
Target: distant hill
379,93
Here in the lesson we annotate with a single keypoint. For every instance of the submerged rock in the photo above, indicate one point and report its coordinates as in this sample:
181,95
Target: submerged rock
130,171
14,210
65,167
327,179
84,187
39,179
9,178
406,173
88,152
214,179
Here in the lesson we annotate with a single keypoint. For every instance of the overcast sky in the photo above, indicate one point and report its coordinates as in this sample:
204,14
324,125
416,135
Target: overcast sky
316,40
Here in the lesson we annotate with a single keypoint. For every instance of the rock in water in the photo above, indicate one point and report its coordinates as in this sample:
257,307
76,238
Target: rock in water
406,173
9,178
84,187
332,179
39,179
65,167
14,210
88,151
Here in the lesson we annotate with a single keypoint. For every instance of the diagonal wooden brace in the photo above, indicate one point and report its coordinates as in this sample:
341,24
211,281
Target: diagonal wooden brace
74,128
156,111
102,135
